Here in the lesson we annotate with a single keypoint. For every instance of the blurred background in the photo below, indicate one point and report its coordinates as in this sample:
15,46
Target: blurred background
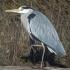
14,40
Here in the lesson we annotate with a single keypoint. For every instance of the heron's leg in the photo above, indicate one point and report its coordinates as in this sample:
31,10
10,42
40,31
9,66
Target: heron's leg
42,54
36,45
33,42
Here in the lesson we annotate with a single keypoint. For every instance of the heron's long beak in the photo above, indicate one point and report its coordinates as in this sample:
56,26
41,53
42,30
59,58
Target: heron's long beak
13,10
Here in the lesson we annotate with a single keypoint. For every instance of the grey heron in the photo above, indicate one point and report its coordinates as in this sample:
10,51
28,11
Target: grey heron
38,25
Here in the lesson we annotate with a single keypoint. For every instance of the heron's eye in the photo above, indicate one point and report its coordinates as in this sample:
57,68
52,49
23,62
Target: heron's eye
21,8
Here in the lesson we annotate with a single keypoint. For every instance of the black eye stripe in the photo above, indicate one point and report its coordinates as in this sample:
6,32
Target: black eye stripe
24,7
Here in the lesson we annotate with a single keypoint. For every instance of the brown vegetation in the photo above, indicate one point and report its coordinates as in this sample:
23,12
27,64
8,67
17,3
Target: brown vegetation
14,41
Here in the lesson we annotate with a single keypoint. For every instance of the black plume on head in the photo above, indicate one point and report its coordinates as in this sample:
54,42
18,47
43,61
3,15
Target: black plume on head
26,7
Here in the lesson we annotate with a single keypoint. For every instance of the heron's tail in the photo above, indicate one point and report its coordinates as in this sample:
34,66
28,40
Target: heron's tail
60,49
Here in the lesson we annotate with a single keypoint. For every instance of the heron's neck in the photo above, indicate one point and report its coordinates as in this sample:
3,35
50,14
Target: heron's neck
28,13
25,22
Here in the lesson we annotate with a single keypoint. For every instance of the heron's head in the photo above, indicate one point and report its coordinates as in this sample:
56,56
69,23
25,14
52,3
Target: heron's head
21,10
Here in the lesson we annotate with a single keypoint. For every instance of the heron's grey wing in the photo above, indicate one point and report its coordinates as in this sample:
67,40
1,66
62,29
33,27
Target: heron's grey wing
42,28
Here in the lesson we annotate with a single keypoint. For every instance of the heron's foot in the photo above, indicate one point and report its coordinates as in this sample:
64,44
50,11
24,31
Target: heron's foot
41,66
37,66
